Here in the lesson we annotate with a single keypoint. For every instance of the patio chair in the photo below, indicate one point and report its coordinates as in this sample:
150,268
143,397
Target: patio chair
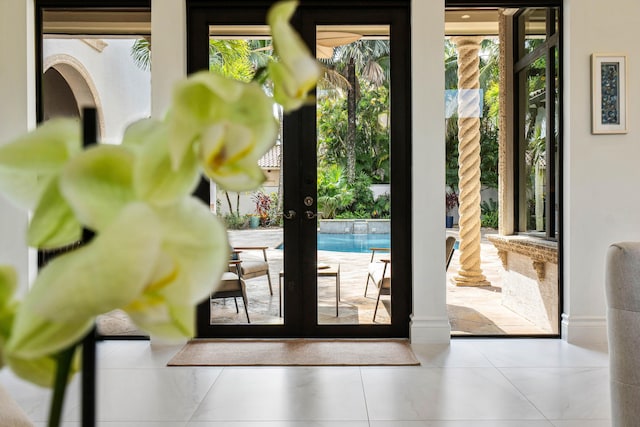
380,274
253,266
232,286
374,267
450,248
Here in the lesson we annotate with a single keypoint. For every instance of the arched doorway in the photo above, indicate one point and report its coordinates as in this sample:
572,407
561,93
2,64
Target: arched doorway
67,88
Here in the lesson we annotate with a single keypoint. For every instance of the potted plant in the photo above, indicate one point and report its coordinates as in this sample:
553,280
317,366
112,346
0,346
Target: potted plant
452,203
254,221
263,205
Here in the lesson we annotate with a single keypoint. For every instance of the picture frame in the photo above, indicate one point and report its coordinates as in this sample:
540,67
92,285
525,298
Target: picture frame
608,93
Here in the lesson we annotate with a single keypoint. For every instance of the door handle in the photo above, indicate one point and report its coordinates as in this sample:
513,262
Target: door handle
311,215
290,214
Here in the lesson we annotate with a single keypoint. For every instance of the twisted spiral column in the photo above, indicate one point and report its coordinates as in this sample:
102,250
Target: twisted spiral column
470,273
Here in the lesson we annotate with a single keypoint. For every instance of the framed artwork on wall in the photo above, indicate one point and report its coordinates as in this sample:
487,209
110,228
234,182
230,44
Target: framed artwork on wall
608,93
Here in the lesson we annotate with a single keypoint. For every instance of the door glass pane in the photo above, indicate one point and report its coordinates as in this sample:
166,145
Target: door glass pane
534,148
353,147
535,29
249,292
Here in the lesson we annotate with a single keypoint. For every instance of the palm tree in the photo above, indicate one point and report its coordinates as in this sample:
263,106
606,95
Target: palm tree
368,59
141,53
235,58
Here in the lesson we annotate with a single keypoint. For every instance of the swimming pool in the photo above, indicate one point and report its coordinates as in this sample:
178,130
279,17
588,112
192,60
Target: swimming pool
352,242
360,243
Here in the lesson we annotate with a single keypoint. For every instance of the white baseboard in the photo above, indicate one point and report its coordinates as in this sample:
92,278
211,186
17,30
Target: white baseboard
430,330
584,330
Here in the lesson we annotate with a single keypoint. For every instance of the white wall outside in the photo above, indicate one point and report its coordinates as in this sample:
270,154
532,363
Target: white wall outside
247,204
124,90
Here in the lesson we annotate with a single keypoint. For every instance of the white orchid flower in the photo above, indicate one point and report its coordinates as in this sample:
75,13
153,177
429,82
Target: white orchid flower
29,171
144,261
296,72
157,251
229,124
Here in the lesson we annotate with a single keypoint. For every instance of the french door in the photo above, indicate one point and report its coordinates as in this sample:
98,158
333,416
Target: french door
340,177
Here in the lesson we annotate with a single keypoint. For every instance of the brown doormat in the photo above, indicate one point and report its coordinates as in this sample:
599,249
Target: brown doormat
295,352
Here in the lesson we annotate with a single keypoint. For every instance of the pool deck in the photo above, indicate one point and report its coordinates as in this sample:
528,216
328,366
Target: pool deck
475,311
472,310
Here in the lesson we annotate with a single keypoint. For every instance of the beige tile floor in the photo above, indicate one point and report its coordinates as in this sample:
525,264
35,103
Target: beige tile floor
468,383
472,311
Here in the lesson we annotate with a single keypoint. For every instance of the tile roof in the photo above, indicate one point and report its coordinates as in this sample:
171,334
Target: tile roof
271,159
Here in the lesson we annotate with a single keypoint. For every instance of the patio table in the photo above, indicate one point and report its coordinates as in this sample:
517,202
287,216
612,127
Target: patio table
323,270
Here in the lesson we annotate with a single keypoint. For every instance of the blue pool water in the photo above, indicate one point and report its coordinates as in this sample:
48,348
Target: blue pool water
352,242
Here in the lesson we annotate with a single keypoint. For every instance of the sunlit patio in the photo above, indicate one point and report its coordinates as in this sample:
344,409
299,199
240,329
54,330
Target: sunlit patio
472,310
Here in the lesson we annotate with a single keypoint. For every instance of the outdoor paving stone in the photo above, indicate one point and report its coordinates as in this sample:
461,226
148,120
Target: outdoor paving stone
472,310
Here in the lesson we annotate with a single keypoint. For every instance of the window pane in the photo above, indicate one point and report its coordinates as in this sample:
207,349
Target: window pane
534,24
533,186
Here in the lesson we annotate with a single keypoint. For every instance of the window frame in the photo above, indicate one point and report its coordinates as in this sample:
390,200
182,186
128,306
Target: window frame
551,49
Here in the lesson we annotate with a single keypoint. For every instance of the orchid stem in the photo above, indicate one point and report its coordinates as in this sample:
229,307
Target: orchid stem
60,385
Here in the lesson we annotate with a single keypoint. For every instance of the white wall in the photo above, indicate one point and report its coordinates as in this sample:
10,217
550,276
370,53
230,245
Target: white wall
601,197
169,61
429,322
123,89
17,115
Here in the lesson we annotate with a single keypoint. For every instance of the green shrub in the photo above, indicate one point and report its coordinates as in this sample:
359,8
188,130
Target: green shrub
333,191
236,222
490,215
490,220
382,207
